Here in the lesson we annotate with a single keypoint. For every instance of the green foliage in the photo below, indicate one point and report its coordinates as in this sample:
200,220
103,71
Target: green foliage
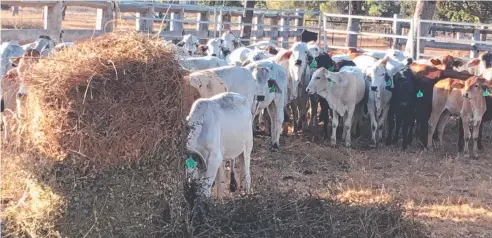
221,3
465,11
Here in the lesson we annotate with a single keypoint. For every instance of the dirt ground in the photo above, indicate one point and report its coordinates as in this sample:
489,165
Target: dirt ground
451,195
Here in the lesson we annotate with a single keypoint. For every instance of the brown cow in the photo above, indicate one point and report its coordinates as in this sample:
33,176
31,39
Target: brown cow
446,62
454,97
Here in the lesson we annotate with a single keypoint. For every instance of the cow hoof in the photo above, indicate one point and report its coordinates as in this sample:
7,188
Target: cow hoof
373,146
348,144
466,155
274,147
333,143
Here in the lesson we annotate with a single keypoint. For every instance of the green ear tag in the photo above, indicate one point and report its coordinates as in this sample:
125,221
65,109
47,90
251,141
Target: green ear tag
313,64
420,94
190,163
388,83
331,84
331,68
486,93
271,89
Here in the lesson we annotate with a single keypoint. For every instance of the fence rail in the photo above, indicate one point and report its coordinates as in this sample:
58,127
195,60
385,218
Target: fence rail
285,26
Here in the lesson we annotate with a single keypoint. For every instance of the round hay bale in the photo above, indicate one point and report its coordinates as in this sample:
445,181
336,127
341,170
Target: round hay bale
108,99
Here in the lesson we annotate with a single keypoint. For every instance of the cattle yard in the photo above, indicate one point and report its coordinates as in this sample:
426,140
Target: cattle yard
306,188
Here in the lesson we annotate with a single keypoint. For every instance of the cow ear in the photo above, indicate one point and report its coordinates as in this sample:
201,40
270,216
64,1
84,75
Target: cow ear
285,55
457,63
473,63
457,85
435,61
245,63
273,83
180,44
221,41
271,50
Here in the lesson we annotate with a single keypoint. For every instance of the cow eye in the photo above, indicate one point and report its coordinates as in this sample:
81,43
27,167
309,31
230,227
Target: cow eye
318,78
476,85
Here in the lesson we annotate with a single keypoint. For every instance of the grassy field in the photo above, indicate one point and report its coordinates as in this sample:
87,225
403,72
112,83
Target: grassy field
451,196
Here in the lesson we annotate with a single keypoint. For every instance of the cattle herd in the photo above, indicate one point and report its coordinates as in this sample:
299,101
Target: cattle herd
236,90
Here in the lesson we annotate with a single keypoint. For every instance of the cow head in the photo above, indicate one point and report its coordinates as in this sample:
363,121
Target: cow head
298,57
484,61
404,88
314,50
377,74
228,41
190,43
324,60
475,87
271,50
322,81
214,47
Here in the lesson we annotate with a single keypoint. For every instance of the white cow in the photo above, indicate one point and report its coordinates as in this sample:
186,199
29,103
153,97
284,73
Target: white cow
220,129
8,50
189,43
379,98
201,63
240,80
480,64
295,61
314,49
276,98
345,93
243,56
228,43
43,45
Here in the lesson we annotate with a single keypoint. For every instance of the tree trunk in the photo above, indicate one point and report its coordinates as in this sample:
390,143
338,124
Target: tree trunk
424,11
355,8
247,18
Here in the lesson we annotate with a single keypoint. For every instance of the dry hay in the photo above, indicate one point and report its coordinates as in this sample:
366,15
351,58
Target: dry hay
97,114
110,99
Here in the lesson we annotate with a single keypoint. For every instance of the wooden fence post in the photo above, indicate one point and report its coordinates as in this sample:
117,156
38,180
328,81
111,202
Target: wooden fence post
473,48
202,16
103,17
299,21
177,26
285,30
219,25
274,30
397,31
145,25
484,35
226,20
53,20
259,20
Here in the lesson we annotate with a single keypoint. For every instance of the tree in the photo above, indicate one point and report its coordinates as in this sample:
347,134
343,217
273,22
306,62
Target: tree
355,8
248,19
424,11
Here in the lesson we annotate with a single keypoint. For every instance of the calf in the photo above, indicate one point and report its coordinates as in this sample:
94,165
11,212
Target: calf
402,107
220,129
345,92
324,61
454,97
480,64
425,77
379,98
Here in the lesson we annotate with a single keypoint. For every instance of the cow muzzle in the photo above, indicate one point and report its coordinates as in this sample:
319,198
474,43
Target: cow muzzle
190,52
214,54
298,62
260,98
466,95
374,88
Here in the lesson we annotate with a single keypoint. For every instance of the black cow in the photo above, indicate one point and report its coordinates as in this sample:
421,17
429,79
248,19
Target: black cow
402,107
307,36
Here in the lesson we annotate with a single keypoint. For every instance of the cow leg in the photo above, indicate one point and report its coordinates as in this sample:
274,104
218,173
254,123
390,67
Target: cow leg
479,142
295,115
405,131
374,127
334,126
475,132
206,184
220,181
233,181
245,175
433,120
302,106
441,125
348,126
3,121
466,136
382,123
314,111
391,124
276,119
286,119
